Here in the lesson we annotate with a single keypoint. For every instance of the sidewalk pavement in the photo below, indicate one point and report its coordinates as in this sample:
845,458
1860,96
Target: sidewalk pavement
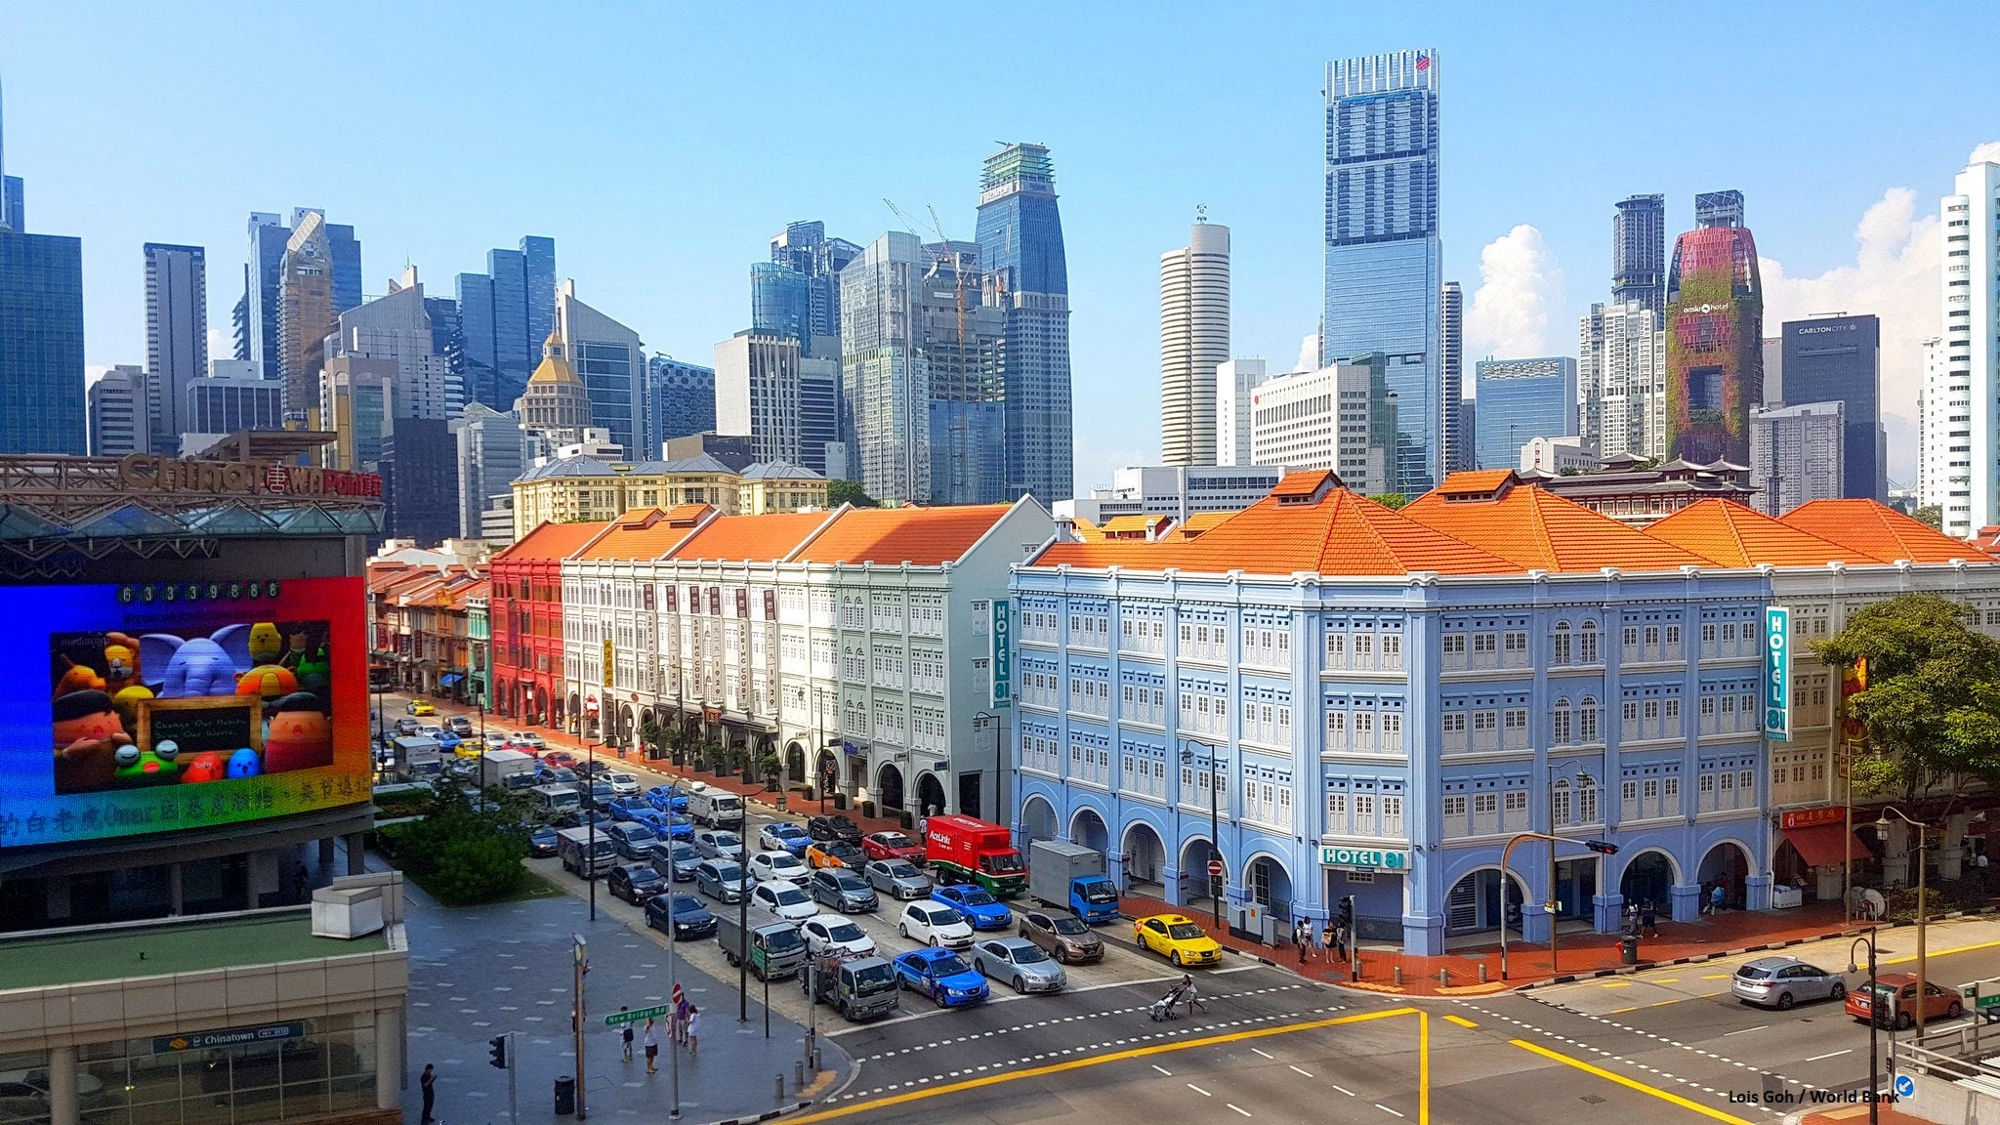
1854,1115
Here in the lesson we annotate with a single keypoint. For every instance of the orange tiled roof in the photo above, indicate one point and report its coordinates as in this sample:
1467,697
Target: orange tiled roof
1199,524
1126,525
1085,530
1534,528
765,538
550,542
1878,531
687,515
1734,535
888,536
1303,483
644,533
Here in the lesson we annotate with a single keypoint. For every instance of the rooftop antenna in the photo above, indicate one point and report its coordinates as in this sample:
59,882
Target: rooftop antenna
1201,212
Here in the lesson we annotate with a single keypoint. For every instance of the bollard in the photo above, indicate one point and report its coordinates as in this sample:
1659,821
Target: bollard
1399,973
1482,972
799,1074
1444,977
778,1087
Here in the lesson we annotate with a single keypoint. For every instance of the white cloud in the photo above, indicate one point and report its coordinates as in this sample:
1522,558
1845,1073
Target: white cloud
1988,151
1894,276
1520,288
219,345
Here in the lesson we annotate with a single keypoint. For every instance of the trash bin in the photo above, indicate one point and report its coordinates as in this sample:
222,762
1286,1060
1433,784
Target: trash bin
1628,950
565,1096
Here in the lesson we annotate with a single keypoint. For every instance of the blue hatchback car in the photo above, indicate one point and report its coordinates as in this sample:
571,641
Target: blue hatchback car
785,837
665,797
979,907
941,975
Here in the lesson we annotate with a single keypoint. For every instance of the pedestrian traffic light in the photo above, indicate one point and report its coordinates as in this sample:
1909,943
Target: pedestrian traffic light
1601,847
1347,911
499,1045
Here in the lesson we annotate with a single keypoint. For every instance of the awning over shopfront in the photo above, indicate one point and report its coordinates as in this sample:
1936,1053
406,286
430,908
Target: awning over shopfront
449,678
1821,846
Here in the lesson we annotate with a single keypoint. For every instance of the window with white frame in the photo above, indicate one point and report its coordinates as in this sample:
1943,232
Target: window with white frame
1453,815
1514,649
1336,812
1586,719
1336,649
1485,813
927,615
1392,815
1392,727
1453,727
1560,795
1559,644
1561,733
890,724
1336,725
1455,653
1514,728
1514,810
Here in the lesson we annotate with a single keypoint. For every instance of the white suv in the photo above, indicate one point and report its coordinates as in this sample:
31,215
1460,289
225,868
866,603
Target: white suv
934,923
766,866
528,738
785,899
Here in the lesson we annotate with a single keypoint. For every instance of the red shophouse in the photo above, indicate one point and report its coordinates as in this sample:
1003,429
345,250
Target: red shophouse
527,623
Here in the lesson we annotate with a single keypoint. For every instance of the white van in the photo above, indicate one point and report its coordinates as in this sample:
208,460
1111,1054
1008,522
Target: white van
717,808
551,800
587,853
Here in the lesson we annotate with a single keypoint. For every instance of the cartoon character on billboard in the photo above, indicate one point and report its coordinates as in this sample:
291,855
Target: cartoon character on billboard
267,680
88,737
207,766
198,665
266,644
301,734
121,675
138,767
245,763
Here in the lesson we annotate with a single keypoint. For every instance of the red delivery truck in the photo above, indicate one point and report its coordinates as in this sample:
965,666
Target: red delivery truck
965,849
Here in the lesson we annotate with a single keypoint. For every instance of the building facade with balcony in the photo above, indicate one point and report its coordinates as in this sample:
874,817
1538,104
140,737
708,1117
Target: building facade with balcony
526,612
590,489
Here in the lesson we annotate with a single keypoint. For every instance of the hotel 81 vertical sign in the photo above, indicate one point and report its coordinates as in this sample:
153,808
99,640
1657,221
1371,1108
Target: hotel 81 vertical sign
1003,654
1778,673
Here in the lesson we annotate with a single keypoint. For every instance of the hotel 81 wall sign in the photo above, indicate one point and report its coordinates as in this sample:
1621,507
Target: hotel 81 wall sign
1778,673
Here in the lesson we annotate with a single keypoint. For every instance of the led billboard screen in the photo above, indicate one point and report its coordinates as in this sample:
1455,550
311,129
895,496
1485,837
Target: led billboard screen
157,708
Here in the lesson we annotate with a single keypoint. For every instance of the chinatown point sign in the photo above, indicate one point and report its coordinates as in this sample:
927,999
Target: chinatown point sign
149,472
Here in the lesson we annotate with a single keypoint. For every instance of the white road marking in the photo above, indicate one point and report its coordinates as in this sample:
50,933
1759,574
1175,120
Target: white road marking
1748,1030
1237,1108
1163,1070
1344,1090
1199,1090
1307,1073
1273,1058
1835,1054
1387,1110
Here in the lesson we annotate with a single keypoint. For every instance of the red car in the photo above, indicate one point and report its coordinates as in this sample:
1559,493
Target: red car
559,759
892,845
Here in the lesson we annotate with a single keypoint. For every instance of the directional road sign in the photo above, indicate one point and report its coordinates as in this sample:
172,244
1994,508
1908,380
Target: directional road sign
616,1018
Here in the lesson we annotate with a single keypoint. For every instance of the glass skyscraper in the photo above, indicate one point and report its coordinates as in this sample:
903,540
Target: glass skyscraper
504,315
804,290
780,302
682,397
1521,400
1383,270
268,235
1027,275
1639,252
1838,359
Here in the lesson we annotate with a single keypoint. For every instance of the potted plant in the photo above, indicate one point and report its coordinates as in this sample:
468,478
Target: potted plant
772,768
907,818
868,808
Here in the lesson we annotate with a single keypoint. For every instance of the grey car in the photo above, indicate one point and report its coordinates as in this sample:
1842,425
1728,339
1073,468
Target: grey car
1020,963
1780,982
722,880
843,890
897,878
676,861
714,843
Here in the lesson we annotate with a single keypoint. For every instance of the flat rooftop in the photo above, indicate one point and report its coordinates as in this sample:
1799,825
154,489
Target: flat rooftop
184,946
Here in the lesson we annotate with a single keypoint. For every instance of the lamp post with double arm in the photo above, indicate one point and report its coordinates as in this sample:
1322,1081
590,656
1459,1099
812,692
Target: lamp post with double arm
1214,824
1874,998
1882,826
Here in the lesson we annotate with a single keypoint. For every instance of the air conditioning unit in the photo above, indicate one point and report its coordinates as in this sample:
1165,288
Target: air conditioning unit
346,912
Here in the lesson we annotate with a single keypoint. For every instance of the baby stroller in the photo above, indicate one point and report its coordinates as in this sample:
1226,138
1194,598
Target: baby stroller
1163,1008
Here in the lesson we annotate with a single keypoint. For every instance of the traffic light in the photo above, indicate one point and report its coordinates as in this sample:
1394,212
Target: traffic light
499,1045
1347,911
1601,847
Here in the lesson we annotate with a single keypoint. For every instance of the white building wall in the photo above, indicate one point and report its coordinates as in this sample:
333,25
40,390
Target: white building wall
1319,420
1235,384
1971,318
1194,341
1621,380
757,394
1941,469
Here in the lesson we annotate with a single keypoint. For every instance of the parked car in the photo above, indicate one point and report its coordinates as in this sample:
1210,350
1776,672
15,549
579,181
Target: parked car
980,908
408,727
562,759
786,899
460,725
676,860
721,879
495,740
1178,938
891,845
897,878
1781,982
548,775
623,784
833,932
676,825
446,740
527,738
584,818
1062,936
843,889
593,769
420,707
836,853
941,975
542,841
636,883
625,808
632,839
1019,962
691,920
934,923
765,866
1892,1001
713,842
781,836
838,826
667,796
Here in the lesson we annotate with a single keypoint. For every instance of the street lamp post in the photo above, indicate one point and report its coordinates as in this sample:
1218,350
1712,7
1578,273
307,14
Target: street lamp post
1874,998
1214,826
990,717
590,817
1923,914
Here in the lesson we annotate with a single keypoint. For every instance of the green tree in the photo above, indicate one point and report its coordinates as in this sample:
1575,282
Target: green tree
460,853
1391,499
1931,514
840,492
1932,705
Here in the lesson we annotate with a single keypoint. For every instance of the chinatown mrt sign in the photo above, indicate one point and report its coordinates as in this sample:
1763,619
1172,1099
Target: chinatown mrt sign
148,472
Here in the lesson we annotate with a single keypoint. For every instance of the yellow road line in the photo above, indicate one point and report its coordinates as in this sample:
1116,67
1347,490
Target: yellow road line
1619,1011
1423,1068
1616,984
1715,976
1460,1021
1940,953
1662,980
1629,1083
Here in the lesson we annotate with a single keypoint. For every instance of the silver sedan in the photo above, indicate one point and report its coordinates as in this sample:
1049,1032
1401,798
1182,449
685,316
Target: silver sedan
897,878
1020,963
1781,982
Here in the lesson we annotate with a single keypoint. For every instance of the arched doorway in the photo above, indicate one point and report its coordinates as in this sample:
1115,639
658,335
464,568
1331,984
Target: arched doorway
1087,828
1473,905
1145,854
1267,883
795,763
930,794
889,788
1727,864
1038,819
628,726
1196,885
1649,877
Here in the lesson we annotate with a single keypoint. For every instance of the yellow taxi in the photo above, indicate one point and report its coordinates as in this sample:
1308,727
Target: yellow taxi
835,853
469,748
421,707
1178,938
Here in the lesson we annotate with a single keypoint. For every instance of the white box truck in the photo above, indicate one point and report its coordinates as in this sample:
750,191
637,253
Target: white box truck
509,769
717,808
1070,875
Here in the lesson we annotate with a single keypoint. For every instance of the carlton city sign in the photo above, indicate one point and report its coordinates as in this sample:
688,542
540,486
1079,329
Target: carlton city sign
147,472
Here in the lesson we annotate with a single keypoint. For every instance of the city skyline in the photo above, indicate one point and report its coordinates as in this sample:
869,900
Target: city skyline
1814,198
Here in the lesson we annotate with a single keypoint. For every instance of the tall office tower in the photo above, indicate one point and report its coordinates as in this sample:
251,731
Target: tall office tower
1970,302
819,417
803,249
1194,341
611,360
1459,452
176,335
41,344
1383,271
885,388
1027,275
538,256
305,311
232,397
118,419
680,399
1839,359
1774,371
420,480
448,340
268,234
398,328
1235,383
11,190
962,339
357,402
780,301
757,393
556,404
1621,380
1639,252
492,451
1796,455
1715,335
1521,400
1325,419
499,314
1944,439
239,323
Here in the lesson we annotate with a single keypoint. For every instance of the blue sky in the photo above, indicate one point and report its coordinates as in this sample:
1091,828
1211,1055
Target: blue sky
661,145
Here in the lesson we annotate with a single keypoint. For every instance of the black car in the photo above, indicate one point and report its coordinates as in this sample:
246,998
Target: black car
691,918
542,841
590,767
580,818
839,826
557,776
677,859
636,883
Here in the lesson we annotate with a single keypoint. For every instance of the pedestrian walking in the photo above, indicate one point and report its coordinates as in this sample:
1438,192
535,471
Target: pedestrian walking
1188,994
680,1030
304,879
652,1041
625,1034
1330,937
1715,898
429,1084
1649,919
1632,919
693,1029
1302,937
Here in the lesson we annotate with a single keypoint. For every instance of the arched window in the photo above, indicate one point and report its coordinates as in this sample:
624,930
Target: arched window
1560,734
1586,643
1559,796
1586,719
1586,799
1560,650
